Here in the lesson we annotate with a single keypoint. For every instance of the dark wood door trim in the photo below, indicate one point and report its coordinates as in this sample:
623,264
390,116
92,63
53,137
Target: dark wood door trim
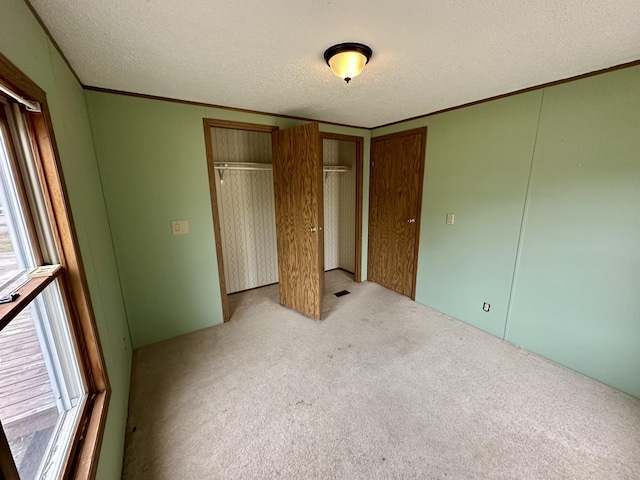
357,275
423,153
404,133
251,127
423,145
208,124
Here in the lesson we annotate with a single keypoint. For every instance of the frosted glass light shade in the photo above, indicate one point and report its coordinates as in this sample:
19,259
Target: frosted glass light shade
347,60
348,65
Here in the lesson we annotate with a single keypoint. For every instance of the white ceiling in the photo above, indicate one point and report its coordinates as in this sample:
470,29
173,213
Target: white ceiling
267,55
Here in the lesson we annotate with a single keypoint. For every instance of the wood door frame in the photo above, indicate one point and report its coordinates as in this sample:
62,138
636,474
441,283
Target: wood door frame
359,141
423,150
208,124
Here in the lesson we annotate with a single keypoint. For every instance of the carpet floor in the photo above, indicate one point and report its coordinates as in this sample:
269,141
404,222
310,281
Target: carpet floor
382,388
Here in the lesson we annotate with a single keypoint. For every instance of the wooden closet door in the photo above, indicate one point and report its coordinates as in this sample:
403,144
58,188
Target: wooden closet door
395,198
297,181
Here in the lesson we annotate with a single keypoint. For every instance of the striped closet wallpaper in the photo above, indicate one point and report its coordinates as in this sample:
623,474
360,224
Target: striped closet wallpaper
247,213
339,206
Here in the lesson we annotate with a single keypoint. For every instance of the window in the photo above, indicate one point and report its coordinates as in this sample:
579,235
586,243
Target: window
53,386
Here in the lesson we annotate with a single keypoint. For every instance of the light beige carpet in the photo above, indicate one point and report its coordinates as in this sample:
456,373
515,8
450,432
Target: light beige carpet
383,388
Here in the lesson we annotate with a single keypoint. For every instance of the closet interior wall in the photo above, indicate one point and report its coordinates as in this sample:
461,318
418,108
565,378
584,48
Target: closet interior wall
339,206
247,211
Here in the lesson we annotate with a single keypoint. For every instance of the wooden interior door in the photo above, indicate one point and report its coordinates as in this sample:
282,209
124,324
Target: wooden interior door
297,182
395,198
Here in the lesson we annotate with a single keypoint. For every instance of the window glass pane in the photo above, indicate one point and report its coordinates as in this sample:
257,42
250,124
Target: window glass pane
13,283
40,394
28,408
16,251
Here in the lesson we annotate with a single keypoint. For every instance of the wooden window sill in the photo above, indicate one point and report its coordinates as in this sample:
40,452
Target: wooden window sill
30,290
84,461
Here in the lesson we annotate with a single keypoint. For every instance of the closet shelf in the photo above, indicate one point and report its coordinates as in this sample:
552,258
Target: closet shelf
268,166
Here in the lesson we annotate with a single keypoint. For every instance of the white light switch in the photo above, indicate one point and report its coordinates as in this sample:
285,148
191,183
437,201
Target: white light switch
179,227
450,218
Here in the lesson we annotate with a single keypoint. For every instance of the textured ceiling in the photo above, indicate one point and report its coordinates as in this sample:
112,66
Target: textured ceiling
267,55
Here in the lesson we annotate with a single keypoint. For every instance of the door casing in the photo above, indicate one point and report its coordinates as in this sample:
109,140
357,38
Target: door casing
208,124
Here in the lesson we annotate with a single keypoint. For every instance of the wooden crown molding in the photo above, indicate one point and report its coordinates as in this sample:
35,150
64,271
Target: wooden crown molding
211,105
517,92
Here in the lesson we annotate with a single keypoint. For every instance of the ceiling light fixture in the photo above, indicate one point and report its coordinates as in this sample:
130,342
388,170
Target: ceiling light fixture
347,60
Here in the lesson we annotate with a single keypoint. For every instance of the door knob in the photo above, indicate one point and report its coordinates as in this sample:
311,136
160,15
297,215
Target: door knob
411,220
311,229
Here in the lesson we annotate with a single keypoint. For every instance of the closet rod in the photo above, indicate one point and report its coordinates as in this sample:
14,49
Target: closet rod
241,166
335,168
268,166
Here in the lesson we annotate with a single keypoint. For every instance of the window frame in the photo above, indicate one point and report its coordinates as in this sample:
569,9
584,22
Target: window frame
86,443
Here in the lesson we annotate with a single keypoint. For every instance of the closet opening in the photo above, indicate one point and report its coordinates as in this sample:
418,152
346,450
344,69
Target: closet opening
342,187
239,161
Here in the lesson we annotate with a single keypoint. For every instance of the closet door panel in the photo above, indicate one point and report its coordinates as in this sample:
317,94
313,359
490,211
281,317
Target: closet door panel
297,179
397,168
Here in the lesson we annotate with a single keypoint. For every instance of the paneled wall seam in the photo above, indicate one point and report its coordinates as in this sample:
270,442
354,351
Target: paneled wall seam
525,209
92,128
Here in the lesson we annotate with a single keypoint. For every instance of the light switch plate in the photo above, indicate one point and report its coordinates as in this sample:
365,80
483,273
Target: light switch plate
450,218
179,227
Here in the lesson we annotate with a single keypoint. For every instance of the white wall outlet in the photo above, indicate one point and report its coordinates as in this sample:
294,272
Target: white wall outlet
179,227
486,307
450,218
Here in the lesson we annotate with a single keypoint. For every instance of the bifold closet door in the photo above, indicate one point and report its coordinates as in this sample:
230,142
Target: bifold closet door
395,197
297,181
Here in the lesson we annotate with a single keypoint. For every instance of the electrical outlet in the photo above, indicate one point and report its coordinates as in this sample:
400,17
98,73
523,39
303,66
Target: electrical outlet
450,218
486,307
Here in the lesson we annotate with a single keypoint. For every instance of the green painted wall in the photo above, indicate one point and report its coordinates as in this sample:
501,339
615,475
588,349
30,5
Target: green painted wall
23,41
545,187
577,292
477,167
153,168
